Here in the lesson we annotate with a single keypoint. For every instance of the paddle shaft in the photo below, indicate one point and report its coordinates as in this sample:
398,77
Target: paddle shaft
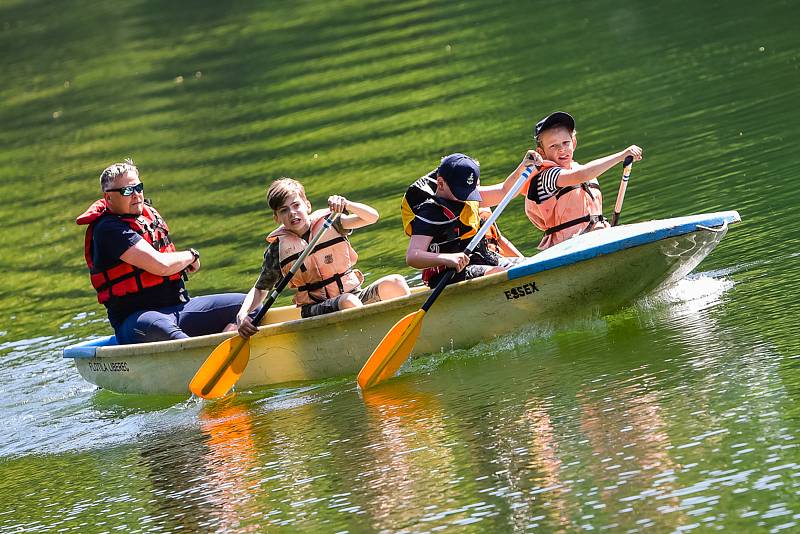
280,286
623,185
450,273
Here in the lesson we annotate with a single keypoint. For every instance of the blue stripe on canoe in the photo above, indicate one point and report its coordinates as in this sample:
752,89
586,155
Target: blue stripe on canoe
618,238
87,349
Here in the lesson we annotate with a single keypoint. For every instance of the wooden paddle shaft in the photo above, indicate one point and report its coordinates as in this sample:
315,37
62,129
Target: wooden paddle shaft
623,185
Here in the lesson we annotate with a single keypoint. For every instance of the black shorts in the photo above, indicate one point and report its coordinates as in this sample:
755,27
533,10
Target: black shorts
366,296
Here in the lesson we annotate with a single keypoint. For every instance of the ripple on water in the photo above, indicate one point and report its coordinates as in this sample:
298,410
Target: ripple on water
49,408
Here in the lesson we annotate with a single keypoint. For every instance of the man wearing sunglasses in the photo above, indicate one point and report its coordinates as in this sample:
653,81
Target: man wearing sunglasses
137,271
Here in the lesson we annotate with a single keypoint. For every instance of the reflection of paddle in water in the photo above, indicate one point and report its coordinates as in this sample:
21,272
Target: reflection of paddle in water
231,456
409,441
628,434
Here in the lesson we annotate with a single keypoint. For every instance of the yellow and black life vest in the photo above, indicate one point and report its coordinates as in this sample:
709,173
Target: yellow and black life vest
423,192
457,229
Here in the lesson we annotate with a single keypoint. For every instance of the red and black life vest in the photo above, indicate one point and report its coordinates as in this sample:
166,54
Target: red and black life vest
125,279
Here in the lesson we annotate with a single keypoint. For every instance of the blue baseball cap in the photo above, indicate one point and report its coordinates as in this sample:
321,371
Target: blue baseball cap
462,175
558,118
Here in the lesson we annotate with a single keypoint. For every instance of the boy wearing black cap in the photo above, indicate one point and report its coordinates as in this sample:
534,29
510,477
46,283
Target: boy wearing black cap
564,199
444,224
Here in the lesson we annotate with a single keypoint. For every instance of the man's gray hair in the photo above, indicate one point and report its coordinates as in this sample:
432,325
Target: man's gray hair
111,172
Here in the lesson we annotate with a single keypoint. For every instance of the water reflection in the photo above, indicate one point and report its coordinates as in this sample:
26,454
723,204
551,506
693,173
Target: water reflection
302,444
658,417
624,444
723,398
628,438
232,464
410,454
201,476
170,469
533,469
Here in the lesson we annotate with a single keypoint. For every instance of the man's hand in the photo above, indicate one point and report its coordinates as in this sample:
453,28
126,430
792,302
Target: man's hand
195,265
145,257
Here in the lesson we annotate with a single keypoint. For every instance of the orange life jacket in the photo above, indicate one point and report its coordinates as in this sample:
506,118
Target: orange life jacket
572,210
327,271
123,278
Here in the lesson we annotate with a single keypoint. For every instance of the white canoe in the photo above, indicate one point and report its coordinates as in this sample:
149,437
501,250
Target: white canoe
596,273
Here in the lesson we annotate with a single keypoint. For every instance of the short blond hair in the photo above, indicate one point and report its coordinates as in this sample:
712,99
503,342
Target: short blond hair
572,133
111,172
281,189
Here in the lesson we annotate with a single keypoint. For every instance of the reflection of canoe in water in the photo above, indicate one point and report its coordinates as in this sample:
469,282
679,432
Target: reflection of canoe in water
594,273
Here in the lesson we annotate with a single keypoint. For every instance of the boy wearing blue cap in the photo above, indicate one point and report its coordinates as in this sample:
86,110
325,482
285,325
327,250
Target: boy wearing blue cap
443,224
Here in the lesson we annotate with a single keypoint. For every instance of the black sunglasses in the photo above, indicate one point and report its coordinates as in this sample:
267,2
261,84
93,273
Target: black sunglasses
128,190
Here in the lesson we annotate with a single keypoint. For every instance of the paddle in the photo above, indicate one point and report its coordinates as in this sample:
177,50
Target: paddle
227,362
396,345
623,185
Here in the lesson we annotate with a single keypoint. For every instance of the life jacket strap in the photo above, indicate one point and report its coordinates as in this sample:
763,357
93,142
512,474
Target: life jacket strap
586,186
161,244
290,259
109,281
322,283
591,219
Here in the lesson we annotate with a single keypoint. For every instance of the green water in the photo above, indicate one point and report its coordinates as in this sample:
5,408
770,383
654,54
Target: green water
677,413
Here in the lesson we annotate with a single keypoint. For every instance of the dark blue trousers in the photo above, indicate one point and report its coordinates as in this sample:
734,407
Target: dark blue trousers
208,314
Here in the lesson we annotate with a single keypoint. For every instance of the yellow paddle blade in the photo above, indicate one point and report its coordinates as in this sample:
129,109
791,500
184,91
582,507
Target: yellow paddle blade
222,369
392,351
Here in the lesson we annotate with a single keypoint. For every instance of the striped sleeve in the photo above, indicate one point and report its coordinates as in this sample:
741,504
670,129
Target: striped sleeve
543,185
